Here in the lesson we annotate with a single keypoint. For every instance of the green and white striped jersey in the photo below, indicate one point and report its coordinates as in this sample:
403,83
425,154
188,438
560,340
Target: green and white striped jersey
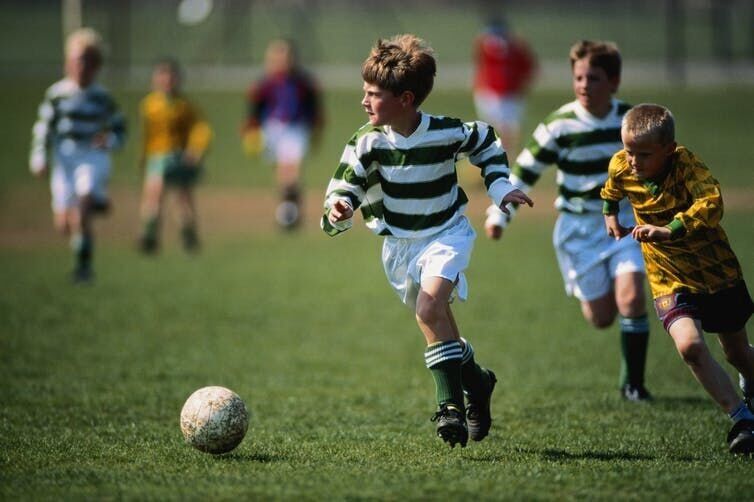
581,145
407,187
71,116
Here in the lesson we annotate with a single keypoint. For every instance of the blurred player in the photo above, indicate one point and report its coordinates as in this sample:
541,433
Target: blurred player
580,138
505,67
79,122
400,169
284,116
696,279
175,141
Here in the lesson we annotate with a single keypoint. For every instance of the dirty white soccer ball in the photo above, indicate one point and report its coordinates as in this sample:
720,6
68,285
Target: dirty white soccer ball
214,420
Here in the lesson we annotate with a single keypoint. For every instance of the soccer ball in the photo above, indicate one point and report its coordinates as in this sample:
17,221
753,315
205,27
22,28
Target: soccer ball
214,420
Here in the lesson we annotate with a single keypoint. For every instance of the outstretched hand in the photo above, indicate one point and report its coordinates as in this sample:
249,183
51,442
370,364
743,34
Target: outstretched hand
516,197
340,211
614,228
650,233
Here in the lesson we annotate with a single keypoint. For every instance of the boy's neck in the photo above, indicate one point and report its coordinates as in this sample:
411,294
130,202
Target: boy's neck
602,111
406,125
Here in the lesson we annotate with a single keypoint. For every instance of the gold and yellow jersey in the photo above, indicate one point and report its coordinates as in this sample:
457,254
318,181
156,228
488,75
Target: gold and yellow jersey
686,198
172,123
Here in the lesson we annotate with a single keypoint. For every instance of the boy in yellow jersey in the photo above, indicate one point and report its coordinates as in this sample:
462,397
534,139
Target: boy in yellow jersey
175,141
696,279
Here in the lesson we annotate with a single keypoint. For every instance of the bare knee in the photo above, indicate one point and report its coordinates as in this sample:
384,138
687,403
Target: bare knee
629,295
599,314
429,310
692,351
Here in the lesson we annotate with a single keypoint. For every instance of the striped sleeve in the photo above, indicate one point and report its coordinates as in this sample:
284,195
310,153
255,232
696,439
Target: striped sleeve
116,126
484,149
349,184
540,152
41,134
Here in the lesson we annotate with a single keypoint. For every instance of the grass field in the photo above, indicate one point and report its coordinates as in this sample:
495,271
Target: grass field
307,331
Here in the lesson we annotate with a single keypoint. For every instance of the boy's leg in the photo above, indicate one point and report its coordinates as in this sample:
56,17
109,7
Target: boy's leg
688,338
443,358
634,332
740,354
151,208
82,240
189,232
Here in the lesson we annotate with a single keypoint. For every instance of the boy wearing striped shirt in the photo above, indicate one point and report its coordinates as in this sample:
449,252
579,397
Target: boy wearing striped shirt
696,280
79,121
399,168
580,138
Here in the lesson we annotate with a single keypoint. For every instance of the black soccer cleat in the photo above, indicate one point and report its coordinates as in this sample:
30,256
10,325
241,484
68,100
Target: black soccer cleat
741,438
82,275
451,425
635,393
478,414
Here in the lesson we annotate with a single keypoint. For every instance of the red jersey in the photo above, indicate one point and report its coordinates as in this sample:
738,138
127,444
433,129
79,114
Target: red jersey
504,65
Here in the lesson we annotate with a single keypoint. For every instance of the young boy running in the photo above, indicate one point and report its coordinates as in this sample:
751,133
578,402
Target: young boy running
175,140
579,138
695,277
399,168
78,121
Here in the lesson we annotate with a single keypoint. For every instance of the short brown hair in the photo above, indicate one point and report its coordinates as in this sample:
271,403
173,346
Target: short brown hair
601,54
402,63
650,121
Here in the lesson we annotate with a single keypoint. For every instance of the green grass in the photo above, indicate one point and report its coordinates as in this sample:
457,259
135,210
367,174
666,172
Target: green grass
306,330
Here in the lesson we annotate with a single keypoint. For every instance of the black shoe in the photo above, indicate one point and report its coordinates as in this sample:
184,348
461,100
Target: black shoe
478,414
148,245
451,425
82,275
741,437
635,393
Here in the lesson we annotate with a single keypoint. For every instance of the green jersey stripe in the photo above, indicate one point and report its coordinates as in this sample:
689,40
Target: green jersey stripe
424,221
414,156
588,138
423,190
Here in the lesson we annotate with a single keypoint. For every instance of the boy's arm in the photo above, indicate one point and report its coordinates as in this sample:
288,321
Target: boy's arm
114,135
485,150
611,195
540,152
707,208
40,137
199,138
345,192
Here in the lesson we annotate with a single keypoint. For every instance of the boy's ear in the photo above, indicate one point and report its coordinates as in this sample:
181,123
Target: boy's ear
670,148
407,98
614,84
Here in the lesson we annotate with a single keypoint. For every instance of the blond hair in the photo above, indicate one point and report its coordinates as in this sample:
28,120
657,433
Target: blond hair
401,63
598,53
650,121
86,38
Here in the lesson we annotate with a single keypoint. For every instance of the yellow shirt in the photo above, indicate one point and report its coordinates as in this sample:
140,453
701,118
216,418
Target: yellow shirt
698,257
171,123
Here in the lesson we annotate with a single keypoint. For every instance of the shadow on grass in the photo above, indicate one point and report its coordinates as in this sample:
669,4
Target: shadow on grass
261,458
560,455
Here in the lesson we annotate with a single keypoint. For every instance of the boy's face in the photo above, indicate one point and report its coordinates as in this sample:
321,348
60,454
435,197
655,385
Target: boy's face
82,64
592,87
383,107
645,155
165,80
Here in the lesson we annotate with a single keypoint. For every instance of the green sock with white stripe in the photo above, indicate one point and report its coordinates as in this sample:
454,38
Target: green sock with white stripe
443,359
634,336
474,378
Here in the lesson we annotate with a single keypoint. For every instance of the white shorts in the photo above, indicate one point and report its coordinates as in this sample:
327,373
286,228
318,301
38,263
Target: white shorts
285,143
446,254
496,110
590,259
78,172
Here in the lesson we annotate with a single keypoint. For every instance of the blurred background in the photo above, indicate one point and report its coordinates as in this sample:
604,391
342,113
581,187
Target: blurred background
221,41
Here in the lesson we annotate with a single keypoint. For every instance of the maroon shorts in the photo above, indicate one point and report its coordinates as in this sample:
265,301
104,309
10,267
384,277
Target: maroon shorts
723,312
